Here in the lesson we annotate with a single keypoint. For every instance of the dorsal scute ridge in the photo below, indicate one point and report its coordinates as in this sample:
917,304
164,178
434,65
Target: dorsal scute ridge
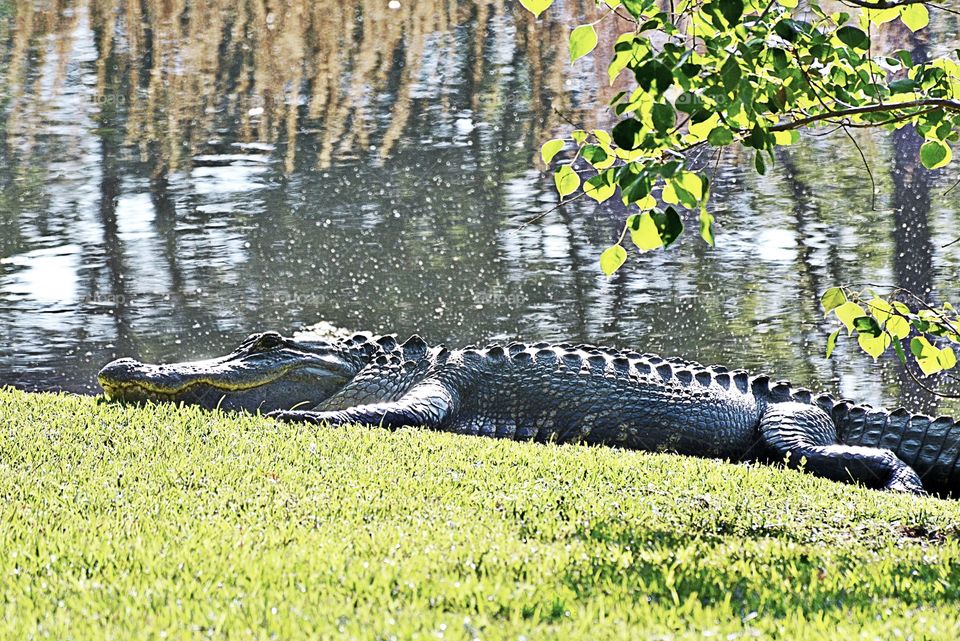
387,342
590,359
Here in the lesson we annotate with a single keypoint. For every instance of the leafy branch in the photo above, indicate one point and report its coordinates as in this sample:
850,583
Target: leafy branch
887,322
742,72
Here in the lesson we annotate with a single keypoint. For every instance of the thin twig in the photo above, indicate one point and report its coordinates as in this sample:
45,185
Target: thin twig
952,188
567,120
925,387
716,166
873,183
541,215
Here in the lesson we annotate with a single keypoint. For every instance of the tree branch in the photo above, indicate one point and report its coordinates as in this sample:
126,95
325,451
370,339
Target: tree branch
940,103
893,4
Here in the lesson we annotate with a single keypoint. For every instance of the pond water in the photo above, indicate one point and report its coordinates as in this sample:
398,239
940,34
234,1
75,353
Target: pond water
171,181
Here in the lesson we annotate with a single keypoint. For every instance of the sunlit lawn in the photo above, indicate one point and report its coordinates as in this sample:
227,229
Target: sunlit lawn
119,522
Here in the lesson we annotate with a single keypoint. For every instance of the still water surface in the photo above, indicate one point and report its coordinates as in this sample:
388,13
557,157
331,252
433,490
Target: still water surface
173,180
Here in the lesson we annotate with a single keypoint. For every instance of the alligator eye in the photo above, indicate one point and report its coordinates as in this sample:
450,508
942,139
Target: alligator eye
266,341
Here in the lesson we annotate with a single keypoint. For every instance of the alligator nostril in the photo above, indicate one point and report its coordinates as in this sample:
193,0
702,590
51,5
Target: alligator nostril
118,367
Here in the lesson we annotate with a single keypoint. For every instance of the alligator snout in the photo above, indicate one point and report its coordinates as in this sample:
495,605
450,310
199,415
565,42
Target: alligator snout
130,379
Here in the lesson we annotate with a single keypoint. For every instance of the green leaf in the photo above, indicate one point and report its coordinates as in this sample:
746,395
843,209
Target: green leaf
688,103
634,187
867,325
626,134
664,117
730,73
935,154
643,232
847,313
669,225
579,136
759,163
785,138
832,342
789,4
787,29
593,154
898,348
550,149
779,58
623,55
853,37
583,39
905,57
947,358
873,345
536,7
690,70
759,138
636,7
654,73
915,16
692,183
612,259
901,308
926,355
601,186
832,299
732,11
706,226
904,85
566,180
720,136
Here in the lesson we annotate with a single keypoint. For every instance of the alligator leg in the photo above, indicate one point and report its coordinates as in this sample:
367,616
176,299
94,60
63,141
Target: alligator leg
798,432
429,404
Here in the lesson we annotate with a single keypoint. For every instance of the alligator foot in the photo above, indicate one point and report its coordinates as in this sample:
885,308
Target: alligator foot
427,405
905,480
804,435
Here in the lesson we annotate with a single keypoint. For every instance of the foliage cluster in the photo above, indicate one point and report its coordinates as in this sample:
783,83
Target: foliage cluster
746,72
883,322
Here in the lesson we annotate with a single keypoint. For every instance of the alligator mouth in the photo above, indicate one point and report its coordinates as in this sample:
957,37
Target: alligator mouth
114,389
283,386
266,371
130,391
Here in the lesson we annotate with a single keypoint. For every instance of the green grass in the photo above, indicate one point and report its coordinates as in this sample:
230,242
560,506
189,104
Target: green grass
122,522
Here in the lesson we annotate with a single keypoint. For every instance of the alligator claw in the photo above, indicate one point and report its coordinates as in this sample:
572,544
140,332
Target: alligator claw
295,416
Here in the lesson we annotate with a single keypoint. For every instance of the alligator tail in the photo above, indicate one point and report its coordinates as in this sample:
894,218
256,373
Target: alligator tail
931,446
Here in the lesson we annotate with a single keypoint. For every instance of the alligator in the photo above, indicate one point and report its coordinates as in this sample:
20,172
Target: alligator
562,393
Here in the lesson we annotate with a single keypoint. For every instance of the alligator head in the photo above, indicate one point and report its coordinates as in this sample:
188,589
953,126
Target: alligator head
266,372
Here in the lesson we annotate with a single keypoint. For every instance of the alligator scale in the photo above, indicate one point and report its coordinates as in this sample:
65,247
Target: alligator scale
562,393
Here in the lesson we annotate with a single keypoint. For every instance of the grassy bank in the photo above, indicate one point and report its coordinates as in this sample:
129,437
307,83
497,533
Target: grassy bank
174,523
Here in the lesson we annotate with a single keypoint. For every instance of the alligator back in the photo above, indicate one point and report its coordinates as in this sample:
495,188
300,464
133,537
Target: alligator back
591,394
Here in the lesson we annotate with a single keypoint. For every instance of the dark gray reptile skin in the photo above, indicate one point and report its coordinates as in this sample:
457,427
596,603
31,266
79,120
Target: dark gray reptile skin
564,393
